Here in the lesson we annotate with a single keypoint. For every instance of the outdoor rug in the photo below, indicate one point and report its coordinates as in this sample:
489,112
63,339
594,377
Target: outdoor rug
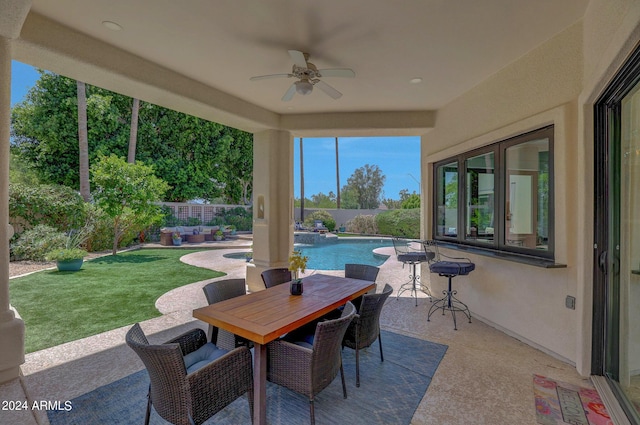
560,403
389,393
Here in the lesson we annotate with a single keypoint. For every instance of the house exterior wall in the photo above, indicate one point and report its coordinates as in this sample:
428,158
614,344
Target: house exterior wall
556,83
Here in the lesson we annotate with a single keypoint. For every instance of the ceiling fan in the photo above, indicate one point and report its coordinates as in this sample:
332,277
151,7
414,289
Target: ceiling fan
308,76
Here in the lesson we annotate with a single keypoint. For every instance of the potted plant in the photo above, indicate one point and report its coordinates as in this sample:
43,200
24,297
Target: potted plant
176,238
67,259
219,235
70,257
297,266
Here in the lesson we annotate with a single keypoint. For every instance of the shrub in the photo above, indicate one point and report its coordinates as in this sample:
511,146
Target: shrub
364,224
400,223
53,205
35,243
66,254
327,220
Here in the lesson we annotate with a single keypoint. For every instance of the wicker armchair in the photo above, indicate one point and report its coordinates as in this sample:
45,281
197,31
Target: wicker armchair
273,277
365,326
189,389
219,291
310,366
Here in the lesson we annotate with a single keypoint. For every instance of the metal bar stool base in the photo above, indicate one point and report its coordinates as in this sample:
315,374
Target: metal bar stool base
413,285
451,303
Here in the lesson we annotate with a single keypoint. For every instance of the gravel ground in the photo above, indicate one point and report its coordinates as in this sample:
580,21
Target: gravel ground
18,268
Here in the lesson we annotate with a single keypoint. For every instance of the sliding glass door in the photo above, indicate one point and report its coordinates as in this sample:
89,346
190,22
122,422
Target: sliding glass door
616,353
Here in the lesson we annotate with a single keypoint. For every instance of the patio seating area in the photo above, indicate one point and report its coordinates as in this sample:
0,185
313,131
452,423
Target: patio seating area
485,376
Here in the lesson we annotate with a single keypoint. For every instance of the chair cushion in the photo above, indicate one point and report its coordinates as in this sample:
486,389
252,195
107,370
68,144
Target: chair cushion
202,357
453,268
412,257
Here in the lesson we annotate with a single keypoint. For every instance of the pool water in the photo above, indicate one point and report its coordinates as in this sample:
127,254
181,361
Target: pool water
333,256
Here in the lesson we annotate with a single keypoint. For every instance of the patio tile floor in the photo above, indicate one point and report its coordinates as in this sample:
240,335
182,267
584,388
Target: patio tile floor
484,378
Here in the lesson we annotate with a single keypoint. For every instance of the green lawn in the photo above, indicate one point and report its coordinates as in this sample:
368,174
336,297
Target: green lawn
107,293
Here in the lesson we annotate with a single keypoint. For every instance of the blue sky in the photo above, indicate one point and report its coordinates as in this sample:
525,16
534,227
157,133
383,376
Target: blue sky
397,157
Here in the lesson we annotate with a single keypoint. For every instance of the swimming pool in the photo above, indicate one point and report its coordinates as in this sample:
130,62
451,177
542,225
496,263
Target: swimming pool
334,255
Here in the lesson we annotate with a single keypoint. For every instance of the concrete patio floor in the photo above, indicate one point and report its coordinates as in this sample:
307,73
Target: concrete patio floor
485,376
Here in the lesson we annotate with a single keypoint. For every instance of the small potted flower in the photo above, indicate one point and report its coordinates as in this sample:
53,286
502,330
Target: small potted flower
297,266
176,238
219,235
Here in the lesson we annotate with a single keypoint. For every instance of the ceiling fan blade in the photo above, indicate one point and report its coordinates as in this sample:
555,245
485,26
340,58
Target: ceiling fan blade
289,94
267,77
328,89
337,72
298,58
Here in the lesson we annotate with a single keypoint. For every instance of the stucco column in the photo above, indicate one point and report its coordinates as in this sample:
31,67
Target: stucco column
272,203
11,328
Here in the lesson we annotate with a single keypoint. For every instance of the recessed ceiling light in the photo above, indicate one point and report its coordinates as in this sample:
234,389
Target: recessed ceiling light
111,25
415,80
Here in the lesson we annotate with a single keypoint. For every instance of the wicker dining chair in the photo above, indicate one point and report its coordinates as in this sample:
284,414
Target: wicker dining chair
222,290
365,326
192,380
363,272
273,277
307,367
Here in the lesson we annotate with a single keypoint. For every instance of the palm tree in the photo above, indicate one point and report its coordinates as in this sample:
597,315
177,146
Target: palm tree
301,183
337,177
83,142
133,133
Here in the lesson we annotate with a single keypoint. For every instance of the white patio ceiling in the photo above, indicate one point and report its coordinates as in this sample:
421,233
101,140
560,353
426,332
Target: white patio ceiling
452,45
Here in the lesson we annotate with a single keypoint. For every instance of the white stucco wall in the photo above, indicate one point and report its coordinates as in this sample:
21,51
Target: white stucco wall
555,83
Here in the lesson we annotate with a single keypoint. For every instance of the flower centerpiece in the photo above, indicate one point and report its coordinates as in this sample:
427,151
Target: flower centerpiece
297,264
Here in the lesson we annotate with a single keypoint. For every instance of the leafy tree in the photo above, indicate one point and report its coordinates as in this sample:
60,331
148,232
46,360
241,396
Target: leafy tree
349,198
197,158
412,201
323,201
366,183
399,223
21,172
56,206
127,193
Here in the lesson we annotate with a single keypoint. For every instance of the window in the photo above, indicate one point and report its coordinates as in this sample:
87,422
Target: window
506,190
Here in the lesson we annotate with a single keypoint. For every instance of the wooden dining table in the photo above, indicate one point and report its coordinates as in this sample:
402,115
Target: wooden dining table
264,316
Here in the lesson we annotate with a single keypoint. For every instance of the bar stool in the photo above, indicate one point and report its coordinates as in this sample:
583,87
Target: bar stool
408,253
450,269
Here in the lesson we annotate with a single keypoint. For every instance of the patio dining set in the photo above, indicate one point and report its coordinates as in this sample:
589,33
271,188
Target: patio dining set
291,338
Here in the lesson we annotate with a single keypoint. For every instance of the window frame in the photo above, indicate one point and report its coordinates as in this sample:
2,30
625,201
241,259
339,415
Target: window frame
499,149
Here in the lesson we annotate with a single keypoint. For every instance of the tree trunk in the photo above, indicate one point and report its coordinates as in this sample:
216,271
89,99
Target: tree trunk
337,177
116,236
83,142
301,183
133,133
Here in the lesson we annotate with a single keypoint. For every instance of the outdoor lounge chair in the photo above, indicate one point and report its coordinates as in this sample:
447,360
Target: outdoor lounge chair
190,379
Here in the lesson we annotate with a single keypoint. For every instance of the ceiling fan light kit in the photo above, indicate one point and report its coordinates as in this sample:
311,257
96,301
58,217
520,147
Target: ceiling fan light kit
308,76
303,87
